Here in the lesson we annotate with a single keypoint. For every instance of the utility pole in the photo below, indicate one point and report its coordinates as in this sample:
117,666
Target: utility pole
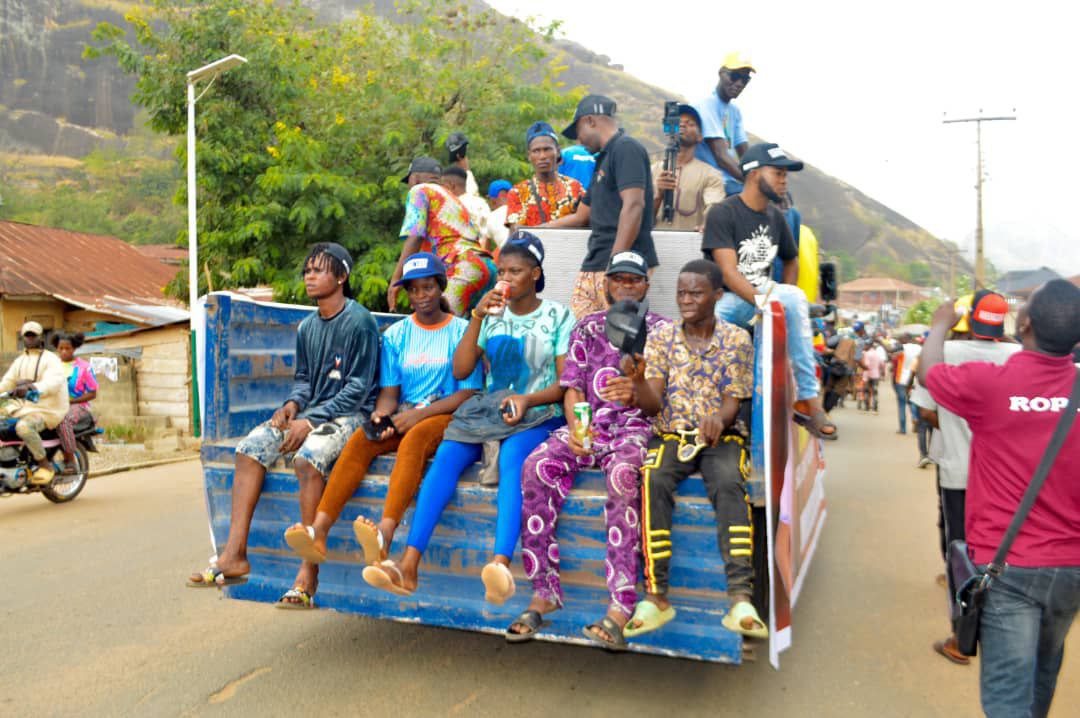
980,265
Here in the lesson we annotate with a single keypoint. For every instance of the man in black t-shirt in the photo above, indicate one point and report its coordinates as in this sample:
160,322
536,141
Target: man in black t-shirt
618,205
744,234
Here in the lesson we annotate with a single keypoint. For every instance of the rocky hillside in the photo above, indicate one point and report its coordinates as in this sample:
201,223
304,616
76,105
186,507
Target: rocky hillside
52,102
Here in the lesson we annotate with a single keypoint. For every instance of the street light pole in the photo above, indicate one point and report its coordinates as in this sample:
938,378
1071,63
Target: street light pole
980,264
207,71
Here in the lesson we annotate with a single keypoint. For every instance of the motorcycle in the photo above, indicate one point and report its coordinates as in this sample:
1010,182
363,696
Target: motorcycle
16,463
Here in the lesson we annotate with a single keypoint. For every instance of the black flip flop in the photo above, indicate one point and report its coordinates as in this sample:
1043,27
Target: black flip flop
617,642
814,424
532,620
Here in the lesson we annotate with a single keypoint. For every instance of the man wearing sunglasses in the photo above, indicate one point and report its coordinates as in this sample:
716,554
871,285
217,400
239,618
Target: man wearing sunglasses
725,139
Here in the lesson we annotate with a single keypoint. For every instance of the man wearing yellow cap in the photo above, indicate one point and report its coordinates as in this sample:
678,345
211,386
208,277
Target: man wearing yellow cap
41,372
725,139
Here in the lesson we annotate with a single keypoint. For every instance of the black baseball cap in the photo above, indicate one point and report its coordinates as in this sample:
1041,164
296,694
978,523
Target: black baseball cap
768,154
422,164
535,247
456,144
692,111
589,105
628,262
340,253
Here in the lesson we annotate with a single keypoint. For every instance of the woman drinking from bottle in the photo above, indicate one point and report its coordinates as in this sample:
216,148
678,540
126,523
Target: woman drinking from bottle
523,340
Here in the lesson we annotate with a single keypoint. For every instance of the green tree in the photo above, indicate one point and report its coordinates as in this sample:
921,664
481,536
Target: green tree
921,312
307,142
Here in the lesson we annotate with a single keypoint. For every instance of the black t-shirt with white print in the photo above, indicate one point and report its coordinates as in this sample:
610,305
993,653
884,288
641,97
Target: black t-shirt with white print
756,237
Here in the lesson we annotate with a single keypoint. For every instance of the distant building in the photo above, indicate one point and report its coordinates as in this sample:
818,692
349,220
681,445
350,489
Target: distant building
872,293
1018,284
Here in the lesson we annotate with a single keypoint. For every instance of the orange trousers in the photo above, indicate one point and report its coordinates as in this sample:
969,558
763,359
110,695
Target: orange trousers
413,450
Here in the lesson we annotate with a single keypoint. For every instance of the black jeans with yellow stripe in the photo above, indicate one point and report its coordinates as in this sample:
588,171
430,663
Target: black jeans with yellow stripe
723,469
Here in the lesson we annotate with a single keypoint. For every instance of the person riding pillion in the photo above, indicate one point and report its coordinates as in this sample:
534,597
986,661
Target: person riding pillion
35,371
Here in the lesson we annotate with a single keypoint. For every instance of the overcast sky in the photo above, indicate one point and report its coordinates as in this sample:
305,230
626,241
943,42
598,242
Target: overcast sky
860,91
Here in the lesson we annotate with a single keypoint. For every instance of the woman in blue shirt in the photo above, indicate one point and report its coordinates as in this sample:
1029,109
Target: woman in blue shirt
524,340
418,395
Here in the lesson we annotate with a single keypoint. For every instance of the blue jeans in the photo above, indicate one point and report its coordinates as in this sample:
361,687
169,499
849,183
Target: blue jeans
1026,617
800,343
902,405
451,460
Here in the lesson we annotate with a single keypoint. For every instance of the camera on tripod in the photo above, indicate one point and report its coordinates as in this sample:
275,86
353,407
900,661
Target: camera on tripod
671,153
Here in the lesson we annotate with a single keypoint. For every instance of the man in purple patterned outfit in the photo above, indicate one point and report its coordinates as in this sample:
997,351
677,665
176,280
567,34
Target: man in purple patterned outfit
620,435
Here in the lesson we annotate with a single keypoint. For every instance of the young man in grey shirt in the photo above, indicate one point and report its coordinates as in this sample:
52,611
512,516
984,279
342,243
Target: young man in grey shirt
977,337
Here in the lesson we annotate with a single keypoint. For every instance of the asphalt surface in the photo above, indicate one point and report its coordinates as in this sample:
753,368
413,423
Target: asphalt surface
96,621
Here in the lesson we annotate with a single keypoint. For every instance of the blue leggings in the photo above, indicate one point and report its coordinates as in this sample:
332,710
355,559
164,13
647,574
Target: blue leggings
451,460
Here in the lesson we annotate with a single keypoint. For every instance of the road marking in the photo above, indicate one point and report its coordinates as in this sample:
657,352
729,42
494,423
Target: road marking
229,690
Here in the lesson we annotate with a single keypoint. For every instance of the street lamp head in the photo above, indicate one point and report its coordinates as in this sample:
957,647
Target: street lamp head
214,68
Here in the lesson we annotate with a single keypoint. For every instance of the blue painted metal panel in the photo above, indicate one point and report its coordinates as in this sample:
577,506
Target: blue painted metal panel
249,367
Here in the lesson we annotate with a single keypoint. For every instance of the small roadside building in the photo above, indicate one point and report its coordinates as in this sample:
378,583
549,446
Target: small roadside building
871,293
114,294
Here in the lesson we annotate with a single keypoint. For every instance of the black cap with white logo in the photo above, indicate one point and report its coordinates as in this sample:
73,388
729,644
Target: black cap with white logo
589,105
768,154
628,262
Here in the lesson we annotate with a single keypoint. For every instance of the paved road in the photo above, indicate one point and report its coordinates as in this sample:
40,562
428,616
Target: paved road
96,621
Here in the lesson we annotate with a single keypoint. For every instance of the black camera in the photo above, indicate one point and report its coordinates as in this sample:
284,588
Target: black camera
671,153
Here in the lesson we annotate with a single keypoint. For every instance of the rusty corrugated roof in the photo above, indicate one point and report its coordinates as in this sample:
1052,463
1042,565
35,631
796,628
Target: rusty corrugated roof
167,253
44,261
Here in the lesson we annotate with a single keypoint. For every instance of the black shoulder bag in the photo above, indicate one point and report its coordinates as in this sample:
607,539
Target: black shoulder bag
966,584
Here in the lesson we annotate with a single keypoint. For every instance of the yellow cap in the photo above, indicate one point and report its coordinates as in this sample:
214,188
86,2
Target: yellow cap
737,61
963,307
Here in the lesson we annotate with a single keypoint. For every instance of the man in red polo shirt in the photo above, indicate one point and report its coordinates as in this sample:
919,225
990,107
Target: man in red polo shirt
1012,410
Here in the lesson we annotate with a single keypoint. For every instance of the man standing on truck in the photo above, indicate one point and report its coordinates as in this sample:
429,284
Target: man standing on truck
725,139
436,221
547,195
695,373
697,185
617,437
743,234
334,390
619,204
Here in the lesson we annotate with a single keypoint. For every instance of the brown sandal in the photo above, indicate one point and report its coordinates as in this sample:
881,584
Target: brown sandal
948,649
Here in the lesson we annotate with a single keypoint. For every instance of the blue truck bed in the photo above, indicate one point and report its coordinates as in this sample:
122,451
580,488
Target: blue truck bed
248,368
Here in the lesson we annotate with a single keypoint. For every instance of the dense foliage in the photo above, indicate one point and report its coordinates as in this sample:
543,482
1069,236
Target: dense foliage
308,141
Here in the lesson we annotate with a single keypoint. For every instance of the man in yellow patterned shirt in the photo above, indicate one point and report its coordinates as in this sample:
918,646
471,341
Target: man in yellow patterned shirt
696,372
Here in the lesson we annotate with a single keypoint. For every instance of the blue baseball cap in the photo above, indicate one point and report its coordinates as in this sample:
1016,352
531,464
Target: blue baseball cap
540,129
421,264
534,246
498,186
692,111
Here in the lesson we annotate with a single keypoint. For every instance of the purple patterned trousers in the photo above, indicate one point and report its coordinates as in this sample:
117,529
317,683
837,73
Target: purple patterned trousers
546,480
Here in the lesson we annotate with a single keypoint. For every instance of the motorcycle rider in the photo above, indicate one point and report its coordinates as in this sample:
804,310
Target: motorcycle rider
43,371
